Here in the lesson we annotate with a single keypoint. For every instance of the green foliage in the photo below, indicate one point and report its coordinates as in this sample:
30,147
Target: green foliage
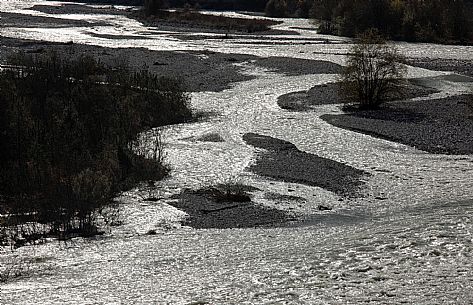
67,131
416,20
373,71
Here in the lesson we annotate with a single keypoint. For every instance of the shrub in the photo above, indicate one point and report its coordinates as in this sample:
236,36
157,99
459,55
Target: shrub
153,6
276,8
373,71
68,130
415,20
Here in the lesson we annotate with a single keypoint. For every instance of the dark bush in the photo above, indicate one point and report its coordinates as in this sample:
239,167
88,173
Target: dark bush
67,134
416,20
373,72
288,8
276,8
151,7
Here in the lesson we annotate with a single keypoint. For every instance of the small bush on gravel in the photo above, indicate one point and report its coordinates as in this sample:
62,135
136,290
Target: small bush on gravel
373,72
232,192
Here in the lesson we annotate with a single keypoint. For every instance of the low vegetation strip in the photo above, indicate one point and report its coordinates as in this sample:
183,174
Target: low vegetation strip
442,126
281,160
194,19
70,137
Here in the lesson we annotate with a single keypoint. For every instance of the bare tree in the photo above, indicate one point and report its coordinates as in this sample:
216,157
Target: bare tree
373,72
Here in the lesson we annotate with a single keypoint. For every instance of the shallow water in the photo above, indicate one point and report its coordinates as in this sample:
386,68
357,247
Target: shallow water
407,239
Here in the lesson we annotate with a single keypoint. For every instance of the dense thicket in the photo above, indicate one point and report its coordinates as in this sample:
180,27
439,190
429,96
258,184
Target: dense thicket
411,20
154,12
68,130
288,8
242,5
110,2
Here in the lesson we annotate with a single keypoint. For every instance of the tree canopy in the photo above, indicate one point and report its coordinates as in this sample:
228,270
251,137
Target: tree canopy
410,20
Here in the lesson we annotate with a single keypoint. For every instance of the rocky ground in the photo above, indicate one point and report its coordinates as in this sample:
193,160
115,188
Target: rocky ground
228,206
440,126
464,67
330,94
282,160
199,71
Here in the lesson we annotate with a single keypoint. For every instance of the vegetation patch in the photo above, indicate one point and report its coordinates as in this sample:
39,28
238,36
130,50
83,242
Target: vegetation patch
422,21
195,19
211,137
281,197
71,138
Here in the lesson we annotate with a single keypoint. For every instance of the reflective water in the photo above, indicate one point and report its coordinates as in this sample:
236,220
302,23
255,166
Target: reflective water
414,246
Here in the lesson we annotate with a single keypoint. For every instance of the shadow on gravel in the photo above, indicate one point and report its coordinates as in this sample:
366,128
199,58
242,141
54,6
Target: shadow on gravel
227,206
16,20
281,160
441,126
329,94
77,9
199,71
296,66
461,66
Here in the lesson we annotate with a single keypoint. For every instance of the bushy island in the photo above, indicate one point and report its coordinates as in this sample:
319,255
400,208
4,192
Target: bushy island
70,134
154,13
377,100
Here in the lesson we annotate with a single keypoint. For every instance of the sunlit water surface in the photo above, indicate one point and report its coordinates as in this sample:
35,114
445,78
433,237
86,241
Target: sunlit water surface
414,246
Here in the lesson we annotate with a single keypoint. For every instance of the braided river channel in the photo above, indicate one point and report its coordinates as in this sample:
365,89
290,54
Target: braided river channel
406,237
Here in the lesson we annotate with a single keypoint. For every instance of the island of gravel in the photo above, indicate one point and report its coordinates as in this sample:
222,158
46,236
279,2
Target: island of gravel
434,125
